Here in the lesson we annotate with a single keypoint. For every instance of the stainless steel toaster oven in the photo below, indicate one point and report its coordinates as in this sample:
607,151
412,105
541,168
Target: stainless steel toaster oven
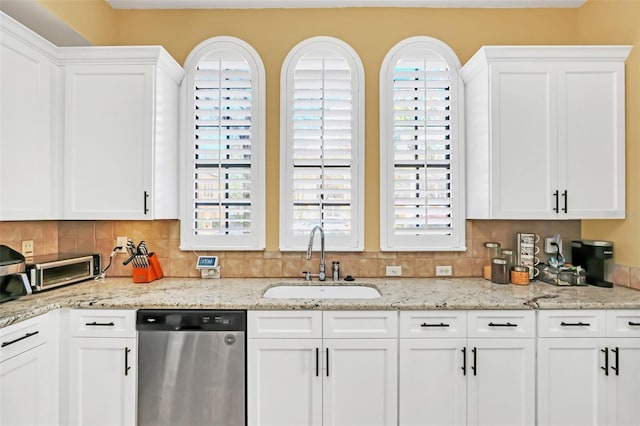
51,271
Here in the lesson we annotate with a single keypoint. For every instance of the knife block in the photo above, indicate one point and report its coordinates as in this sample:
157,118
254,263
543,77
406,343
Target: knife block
148,273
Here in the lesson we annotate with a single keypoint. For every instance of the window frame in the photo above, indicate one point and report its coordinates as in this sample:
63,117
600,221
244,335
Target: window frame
288,241
388,240
256,239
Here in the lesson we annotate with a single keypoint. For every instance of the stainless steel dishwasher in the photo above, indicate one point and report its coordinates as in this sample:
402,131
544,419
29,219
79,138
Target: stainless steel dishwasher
191,367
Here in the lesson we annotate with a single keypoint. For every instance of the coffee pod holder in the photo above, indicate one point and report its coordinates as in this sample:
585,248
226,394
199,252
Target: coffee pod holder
151,270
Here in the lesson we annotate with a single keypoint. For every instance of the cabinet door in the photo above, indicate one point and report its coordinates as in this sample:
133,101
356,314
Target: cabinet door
30,155
360,382
102,383
624,382
592,139
284,383
433,382
24,386
524,164
108,138
501,382
571,381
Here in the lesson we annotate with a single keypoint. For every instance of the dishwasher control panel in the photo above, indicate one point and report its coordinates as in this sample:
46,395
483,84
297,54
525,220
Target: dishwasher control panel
191,320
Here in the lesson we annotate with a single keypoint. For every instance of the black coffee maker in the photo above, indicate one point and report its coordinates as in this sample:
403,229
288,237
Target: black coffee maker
594,256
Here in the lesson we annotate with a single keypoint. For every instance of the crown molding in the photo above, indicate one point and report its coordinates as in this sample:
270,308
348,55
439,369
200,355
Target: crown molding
274,4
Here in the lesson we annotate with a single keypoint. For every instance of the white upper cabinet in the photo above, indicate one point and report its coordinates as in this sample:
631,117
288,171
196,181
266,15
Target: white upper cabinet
545,132
30,152
86,132
121,133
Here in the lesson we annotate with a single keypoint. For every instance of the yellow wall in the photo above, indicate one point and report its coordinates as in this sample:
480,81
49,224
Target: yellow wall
372,32
95,20
618,22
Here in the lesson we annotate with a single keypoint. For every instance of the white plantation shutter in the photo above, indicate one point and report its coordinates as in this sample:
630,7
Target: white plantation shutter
421,154
322,145
225,182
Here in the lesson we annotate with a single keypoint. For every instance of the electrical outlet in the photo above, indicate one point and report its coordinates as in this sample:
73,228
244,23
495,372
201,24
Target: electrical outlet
394,271
121,242
443,271
27,248
552,249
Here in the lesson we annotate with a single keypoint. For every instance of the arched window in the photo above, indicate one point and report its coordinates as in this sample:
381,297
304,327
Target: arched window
322,145
223,163
421,148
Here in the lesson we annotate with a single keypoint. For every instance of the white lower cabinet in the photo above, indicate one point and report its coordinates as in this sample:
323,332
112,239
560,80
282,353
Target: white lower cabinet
283,385
335,368
473,368
359,385
501,383
102,368
589,367
27,374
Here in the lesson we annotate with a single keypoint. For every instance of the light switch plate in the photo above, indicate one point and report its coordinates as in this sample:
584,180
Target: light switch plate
27,248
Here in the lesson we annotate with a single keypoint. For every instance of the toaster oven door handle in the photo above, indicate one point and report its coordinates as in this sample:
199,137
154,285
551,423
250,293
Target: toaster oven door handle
26,336
100,324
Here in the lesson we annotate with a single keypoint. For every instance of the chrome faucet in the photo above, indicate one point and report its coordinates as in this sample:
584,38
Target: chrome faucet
321,275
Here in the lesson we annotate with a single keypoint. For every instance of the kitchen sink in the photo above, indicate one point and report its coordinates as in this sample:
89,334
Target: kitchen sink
287,291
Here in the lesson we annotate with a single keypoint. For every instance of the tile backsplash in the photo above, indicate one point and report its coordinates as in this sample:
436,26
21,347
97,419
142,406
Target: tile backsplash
162,237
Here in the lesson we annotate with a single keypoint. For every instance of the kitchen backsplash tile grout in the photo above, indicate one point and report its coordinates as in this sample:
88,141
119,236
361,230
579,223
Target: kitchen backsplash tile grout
162,236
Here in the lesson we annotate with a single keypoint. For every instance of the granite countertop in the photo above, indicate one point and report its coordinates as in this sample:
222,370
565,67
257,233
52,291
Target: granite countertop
237,293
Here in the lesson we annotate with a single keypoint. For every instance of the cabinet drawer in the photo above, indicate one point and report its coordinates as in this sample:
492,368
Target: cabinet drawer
572,323
284,324
360,324
18,338
623,323
510,324
433,324
102,323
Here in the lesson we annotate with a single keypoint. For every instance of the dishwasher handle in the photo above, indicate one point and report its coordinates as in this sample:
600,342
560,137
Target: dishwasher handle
190,320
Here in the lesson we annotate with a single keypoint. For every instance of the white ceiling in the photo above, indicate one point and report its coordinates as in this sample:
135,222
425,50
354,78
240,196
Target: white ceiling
259,4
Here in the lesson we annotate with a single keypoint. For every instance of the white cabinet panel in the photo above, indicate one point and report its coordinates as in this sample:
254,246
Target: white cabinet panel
284,382
102,323
30,151
501,382
589,369
322,381
591,119
360,382
623,389
572,323
102,367
22,336
524,140
28,372
284,324
623,323
120,151
108,134
484,376
102,383
509,324
360,324
433,382
433,324
26,389
545,132
571,385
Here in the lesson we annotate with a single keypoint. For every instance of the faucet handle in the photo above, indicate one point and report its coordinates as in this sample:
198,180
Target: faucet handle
307,275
